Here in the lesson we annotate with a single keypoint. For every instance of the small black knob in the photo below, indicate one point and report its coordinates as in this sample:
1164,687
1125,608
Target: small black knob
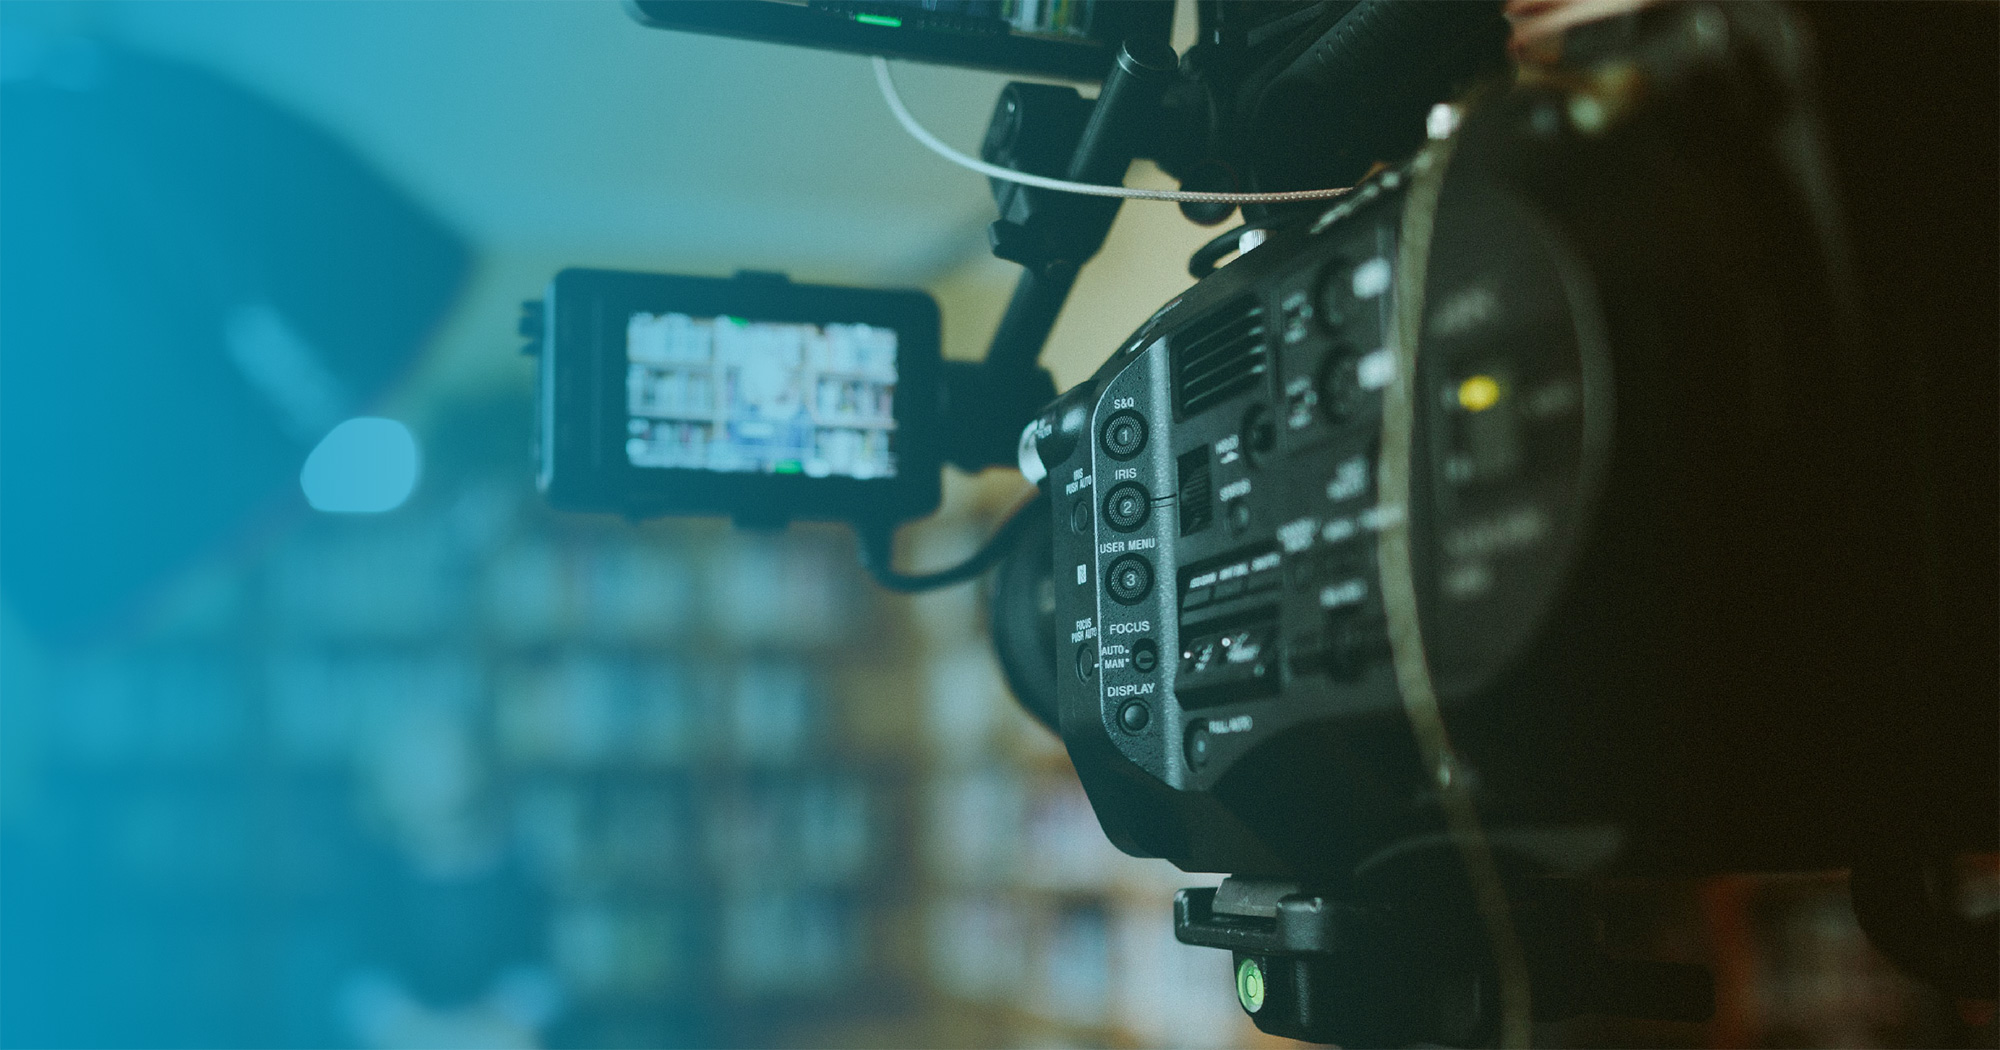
1260,434
1199,744
1148,57
1341,396
1145,656
1209,176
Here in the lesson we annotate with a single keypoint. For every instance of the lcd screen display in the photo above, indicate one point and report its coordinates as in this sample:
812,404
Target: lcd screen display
760,397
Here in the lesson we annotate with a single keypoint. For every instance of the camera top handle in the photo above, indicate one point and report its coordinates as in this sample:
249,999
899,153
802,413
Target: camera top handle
1051,234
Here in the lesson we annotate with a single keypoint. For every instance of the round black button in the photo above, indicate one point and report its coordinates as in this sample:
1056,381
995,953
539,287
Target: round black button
1129,579
1086,661
1134,716
1340,394
1199,743
1260,434
1079,516
1124,434
1128,506
1336,296
1145,656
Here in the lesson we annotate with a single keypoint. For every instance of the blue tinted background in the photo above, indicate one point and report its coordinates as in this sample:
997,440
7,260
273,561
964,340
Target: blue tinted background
430,778
468,773
465,772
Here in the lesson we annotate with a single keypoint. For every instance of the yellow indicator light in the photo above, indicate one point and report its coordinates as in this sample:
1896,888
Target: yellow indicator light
1478,393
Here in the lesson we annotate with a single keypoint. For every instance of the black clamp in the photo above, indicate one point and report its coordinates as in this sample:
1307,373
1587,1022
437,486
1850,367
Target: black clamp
1313,966
987,409
1045,130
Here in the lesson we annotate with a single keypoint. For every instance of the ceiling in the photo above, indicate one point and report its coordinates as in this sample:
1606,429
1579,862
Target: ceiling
566,130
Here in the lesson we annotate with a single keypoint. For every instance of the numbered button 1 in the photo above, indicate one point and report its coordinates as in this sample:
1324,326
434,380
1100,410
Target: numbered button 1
1124,434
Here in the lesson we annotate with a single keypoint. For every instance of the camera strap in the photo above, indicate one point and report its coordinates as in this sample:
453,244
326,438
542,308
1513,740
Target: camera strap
1399,598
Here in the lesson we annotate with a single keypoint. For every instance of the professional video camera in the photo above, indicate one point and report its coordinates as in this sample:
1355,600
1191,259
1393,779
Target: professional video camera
1601,483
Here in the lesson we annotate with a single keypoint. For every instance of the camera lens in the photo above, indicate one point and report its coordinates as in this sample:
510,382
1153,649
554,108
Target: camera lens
1124,434
1128,506
1129,579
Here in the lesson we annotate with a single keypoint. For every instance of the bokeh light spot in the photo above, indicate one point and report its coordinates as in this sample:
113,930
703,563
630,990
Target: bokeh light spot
366,465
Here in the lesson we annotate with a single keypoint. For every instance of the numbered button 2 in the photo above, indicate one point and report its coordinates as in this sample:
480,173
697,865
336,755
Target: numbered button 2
1128,506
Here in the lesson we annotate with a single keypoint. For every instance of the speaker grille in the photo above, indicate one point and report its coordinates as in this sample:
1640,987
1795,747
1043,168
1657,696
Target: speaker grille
1219,356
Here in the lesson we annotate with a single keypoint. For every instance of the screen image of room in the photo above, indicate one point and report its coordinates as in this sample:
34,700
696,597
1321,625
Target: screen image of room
763,397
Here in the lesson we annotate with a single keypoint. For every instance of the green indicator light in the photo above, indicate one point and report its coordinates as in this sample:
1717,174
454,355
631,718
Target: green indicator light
786,466
1250,985
879,20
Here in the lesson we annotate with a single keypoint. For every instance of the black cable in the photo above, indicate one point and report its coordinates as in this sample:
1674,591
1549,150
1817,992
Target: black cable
1203,261
878,545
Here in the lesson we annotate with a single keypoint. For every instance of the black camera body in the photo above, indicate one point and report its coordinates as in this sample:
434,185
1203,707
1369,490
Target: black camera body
1652,498
1591,490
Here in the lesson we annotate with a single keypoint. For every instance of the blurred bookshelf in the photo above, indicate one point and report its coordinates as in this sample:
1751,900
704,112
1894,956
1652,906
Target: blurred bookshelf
473,772
594,779
476,773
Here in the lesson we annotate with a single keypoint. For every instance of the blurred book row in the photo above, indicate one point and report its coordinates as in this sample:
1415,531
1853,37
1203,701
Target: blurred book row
580,708
472,772
483,567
